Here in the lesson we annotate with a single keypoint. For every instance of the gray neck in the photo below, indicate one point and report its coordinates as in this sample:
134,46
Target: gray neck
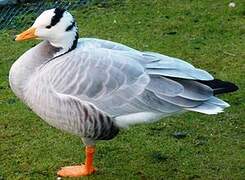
24,68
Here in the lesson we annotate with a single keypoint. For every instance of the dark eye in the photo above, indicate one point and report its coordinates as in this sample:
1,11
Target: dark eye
48,27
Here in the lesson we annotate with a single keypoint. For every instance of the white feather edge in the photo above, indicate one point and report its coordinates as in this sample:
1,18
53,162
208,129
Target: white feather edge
137,118
212,106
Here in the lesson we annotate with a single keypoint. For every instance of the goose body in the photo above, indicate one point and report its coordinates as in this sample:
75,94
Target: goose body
95,87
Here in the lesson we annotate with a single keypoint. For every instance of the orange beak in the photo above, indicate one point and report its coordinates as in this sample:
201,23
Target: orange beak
28,34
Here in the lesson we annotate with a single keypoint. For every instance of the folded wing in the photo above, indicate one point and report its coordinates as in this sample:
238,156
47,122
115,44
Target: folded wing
121,81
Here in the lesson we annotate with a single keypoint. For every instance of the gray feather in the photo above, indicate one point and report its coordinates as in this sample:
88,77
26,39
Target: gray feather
194,90
173,67
83,90
164,86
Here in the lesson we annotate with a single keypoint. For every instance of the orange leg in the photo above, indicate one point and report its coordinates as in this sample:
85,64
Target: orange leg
80,170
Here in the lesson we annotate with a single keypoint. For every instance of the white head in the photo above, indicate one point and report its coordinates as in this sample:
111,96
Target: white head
56,26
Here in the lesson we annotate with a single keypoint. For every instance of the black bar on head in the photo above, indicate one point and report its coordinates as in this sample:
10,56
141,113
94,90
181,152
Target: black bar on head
56,18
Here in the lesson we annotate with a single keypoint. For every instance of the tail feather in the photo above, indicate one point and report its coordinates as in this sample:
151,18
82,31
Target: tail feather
213,106
207,108
220,87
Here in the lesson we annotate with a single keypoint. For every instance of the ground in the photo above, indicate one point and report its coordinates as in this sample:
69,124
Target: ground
208,34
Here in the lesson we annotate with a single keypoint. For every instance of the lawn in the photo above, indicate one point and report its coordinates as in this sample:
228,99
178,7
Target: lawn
208,34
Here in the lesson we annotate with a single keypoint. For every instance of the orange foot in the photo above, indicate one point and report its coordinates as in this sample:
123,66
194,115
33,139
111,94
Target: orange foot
76,171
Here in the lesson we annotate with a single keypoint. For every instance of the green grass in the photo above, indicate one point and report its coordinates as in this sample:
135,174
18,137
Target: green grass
208,34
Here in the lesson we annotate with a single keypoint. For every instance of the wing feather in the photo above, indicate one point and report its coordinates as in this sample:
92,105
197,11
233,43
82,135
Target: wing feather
164,86
108,80
120,80
173,67
194,90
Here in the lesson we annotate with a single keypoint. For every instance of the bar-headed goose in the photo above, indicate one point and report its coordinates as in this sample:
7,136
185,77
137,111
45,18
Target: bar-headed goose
92,87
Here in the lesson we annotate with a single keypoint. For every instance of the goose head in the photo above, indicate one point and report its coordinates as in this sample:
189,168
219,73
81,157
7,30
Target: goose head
56,26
